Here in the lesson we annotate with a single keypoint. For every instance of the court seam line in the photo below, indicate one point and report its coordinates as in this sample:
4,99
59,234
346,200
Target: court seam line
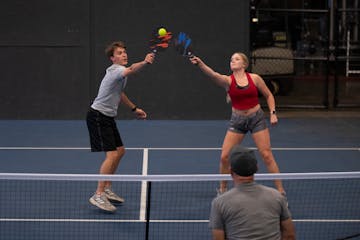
154,220
200,148
172,177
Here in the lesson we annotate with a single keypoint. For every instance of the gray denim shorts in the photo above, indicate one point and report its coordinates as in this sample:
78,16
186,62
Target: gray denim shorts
242,124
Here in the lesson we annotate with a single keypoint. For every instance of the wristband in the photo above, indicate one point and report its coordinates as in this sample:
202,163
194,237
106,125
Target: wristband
273,112
134,109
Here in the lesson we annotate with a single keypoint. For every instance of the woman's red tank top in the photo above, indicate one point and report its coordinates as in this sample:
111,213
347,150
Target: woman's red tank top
243,98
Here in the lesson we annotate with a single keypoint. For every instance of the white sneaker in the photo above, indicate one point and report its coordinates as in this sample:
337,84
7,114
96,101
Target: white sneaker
113,196
102,202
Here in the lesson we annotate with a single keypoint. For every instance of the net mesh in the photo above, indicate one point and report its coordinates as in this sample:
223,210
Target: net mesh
55,206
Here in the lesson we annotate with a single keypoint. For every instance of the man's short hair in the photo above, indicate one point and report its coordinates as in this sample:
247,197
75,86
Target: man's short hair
243,161
112,46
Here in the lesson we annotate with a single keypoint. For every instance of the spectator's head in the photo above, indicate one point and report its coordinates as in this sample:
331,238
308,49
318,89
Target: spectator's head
243,161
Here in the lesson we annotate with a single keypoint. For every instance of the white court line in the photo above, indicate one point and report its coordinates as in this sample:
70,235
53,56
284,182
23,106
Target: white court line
217,148
68,220
328,220
158,221
274,148
295,220
143,196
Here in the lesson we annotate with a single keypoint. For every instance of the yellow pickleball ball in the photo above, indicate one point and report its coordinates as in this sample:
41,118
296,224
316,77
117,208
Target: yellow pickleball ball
162,32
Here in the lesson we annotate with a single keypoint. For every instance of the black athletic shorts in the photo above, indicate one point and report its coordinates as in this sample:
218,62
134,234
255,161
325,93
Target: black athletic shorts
103,132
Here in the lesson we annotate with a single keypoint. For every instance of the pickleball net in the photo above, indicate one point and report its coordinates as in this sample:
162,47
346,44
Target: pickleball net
55,206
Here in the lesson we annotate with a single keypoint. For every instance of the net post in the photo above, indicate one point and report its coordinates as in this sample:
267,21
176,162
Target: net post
148,200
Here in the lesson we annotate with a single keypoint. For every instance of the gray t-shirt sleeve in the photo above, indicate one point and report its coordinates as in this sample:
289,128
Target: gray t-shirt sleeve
216,221
108,98
285,212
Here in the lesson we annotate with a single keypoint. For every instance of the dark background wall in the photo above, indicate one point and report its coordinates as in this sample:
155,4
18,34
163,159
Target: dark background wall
52,55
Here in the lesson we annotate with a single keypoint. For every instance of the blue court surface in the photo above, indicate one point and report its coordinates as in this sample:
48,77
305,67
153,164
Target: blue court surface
179,210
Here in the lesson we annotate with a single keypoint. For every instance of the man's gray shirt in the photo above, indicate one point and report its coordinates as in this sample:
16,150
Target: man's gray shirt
111,87
249,211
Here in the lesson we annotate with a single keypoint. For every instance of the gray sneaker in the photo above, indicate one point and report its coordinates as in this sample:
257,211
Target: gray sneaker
102,202
113,196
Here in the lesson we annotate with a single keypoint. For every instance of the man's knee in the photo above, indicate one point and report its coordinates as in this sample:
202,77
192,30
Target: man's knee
116,155
121,152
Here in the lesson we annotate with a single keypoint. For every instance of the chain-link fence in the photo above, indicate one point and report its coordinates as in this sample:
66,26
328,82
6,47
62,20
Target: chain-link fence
307,51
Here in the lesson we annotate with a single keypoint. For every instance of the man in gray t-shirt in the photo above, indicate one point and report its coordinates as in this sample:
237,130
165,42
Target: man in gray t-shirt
249,210
100,119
